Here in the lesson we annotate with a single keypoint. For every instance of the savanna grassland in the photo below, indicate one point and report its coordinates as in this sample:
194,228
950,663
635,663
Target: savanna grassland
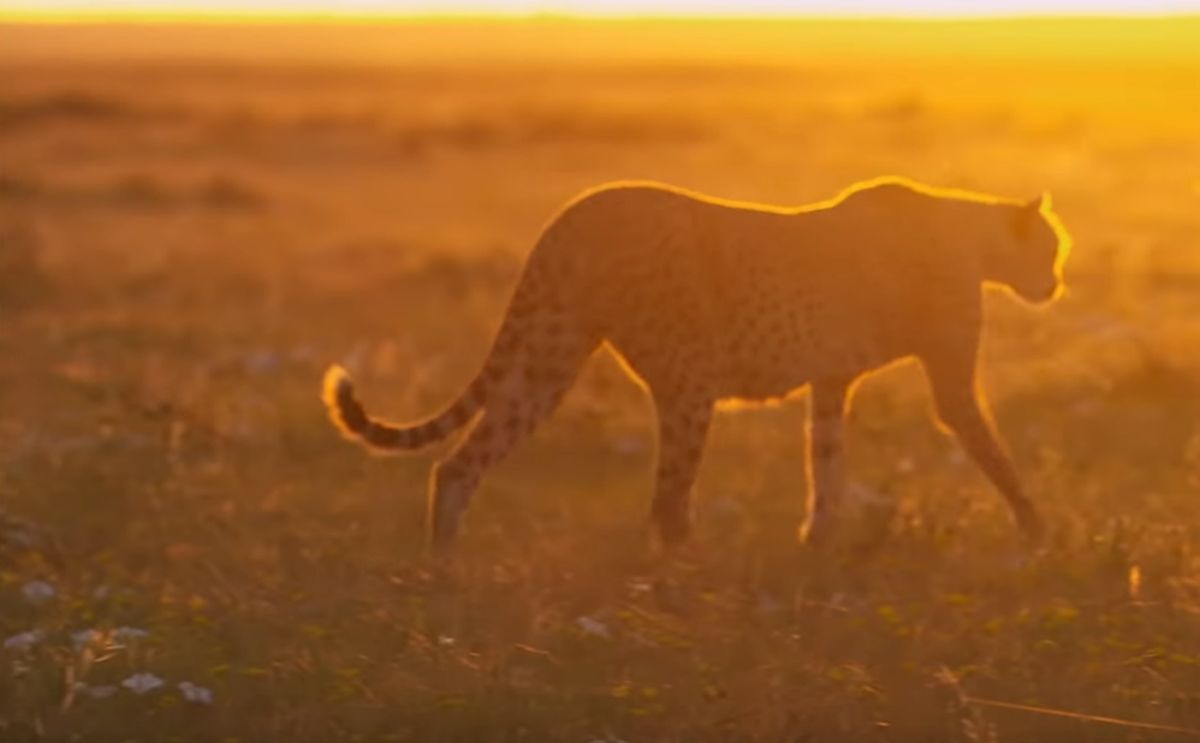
195,221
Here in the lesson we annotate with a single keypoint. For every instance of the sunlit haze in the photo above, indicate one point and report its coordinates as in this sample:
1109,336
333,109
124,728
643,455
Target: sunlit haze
67,9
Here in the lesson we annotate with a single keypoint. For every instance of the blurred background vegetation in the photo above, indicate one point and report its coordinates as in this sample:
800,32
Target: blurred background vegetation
195,220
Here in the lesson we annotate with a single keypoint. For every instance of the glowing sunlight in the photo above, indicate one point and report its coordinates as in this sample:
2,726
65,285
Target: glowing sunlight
740,378
332,9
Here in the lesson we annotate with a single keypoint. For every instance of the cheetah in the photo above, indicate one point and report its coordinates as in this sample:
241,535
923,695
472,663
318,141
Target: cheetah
707,300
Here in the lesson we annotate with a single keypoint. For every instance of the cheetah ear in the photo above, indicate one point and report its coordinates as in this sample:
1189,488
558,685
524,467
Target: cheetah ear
1023,219
1039,204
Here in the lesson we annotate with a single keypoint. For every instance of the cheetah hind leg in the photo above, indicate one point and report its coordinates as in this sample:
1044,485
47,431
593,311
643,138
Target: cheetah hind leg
528,395
824,462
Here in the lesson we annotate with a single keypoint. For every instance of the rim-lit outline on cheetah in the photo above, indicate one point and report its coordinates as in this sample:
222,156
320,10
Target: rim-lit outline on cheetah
707,300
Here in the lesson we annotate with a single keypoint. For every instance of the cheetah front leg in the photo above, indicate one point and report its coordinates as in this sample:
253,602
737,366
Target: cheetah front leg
962,408
683,422
824,463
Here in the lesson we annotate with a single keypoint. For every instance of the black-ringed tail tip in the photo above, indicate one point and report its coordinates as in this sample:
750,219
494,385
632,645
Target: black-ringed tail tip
344,409
336,380
352,419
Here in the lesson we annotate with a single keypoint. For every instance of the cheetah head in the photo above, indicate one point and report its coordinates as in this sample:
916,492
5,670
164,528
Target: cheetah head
1032,250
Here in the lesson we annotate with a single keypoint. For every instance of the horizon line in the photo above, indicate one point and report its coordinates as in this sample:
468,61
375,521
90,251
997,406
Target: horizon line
253,16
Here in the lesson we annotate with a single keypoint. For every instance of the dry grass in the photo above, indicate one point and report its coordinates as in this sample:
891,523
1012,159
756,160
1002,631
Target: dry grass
186,247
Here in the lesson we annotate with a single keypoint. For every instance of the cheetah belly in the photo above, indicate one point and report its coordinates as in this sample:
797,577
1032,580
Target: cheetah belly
773,365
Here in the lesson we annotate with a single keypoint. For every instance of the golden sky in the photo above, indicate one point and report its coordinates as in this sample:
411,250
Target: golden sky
68,9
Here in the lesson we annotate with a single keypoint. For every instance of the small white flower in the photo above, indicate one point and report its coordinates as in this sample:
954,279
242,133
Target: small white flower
640,585
593,627
197,694
723,505
38,592
104,691
865,496
263,361
23,640
629,445
82,638
140,683
19,536
767,605
125,634
445,641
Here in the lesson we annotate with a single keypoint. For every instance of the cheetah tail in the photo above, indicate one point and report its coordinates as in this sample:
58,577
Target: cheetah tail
352,420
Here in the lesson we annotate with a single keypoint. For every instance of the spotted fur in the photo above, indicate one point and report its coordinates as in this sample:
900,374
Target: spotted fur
707,300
